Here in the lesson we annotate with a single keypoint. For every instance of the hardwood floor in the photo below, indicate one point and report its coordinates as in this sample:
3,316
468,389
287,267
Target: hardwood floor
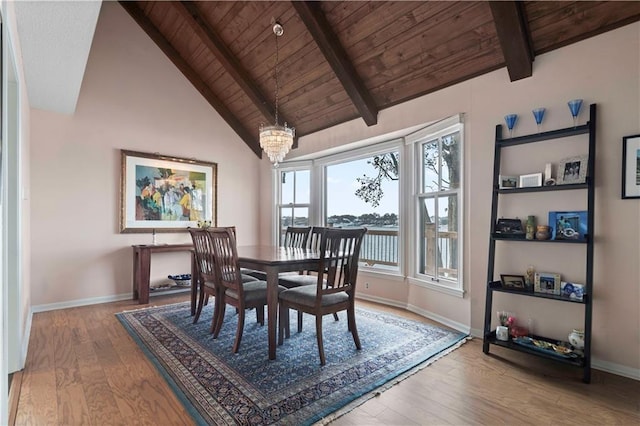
83,368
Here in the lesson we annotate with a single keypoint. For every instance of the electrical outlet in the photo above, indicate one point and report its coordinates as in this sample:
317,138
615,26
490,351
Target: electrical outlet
366,285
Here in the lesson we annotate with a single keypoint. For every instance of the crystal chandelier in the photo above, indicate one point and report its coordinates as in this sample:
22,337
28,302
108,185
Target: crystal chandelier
276,140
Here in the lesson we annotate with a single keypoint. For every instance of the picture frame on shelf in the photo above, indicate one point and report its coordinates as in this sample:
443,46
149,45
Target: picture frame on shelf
513,282
161,193
547,282
573,291
508,182
571,225
631,166
572,170
530,180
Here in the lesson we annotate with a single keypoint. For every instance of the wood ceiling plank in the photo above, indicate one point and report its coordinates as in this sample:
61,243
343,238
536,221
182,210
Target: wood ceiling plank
335,54
458,68
207,35
513,34
147,25
413,26
428,45
443,55
575,21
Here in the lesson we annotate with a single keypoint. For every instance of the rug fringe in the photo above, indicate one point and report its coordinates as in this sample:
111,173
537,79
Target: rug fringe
126,311
378,391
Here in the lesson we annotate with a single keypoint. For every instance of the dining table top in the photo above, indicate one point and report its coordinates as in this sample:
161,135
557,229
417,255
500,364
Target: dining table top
275,255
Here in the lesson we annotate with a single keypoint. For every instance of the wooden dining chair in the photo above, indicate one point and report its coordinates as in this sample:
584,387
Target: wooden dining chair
228,278
205,280
335,288
307,277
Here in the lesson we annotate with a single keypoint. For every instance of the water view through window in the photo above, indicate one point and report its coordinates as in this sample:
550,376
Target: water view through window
365,193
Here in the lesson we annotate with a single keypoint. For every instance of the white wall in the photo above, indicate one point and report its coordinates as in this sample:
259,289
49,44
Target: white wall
603,70
132,98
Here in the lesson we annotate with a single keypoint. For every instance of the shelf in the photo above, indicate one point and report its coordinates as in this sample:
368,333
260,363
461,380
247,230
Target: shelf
544,188
543,136
491,338
496,286
498,237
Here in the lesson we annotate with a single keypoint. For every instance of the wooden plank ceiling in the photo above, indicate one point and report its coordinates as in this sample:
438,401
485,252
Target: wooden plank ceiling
342,60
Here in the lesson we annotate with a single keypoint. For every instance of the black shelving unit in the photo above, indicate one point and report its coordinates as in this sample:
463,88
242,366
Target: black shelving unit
493,286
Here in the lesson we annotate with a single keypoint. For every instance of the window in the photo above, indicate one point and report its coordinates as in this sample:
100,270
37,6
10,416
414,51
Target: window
438,199
294,199
362,189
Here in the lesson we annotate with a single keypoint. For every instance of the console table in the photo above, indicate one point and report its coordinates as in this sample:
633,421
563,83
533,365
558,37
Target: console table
142,269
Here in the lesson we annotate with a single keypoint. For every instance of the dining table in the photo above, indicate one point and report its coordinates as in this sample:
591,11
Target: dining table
272,260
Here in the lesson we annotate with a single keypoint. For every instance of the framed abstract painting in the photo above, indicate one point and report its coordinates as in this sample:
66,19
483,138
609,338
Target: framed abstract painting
161,193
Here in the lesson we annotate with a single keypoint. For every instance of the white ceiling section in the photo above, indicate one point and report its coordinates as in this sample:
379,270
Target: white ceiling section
55,38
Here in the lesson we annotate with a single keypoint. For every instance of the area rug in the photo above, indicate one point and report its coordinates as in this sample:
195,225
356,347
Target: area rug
218,387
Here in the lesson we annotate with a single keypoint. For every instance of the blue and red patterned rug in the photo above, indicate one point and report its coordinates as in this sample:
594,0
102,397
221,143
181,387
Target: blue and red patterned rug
221,388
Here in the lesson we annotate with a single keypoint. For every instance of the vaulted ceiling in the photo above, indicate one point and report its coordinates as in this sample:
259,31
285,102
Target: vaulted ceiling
342,60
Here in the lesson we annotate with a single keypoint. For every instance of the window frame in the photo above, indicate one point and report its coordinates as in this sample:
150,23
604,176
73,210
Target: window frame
318,178
277,194
415,142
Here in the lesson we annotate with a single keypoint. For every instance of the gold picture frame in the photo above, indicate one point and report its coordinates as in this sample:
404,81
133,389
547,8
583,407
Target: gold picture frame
161,193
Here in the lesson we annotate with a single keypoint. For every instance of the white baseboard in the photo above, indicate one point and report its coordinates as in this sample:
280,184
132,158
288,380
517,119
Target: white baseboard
80,302
422,312
25,340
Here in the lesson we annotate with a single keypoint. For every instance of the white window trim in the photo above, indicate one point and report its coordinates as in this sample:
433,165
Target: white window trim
414,171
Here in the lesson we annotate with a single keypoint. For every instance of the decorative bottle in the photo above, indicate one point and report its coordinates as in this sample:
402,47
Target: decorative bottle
530,227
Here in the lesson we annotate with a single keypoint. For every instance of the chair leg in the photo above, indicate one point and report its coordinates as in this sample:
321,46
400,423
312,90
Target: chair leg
299,321
219,318
199,308
351,319
282,310
260,314
236,344
335,316
319,336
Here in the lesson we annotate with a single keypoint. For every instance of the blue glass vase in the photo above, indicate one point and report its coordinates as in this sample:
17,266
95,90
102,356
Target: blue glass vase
511,122
538,114
574,107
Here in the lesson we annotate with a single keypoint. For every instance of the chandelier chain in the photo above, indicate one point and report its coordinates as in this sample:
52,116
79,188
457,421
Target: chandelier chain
276,78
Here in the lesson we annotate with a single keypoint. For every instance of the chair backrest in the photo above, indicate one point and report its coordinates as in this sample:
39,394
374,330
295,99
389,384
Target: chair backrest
315,238
204,254
225,253
296,237
340,250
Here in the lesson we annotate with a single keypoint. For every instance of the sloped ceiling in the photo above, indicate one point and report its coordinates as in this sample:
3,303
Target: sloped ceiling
342,60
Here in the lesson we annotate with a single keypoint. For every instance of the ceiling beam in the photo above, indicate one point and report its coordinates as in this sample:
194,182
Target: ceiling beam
145,23
326,39
515,40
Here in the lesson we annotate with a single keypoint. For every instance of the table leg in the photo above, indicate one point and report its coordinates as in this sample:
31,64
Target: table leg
136,273
144,272
272,308
195,281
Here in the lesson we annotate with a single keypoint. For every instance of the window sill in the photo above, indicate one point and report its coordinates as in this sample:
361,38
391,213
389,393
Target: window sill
390,275
451,291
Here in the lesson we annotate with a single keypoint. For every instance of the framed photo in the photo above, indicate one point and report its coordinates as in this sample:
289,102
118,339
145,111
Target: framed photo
508,182
513,282
568,225
545,282
527,181
160,193
572,170
631,166
573,291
